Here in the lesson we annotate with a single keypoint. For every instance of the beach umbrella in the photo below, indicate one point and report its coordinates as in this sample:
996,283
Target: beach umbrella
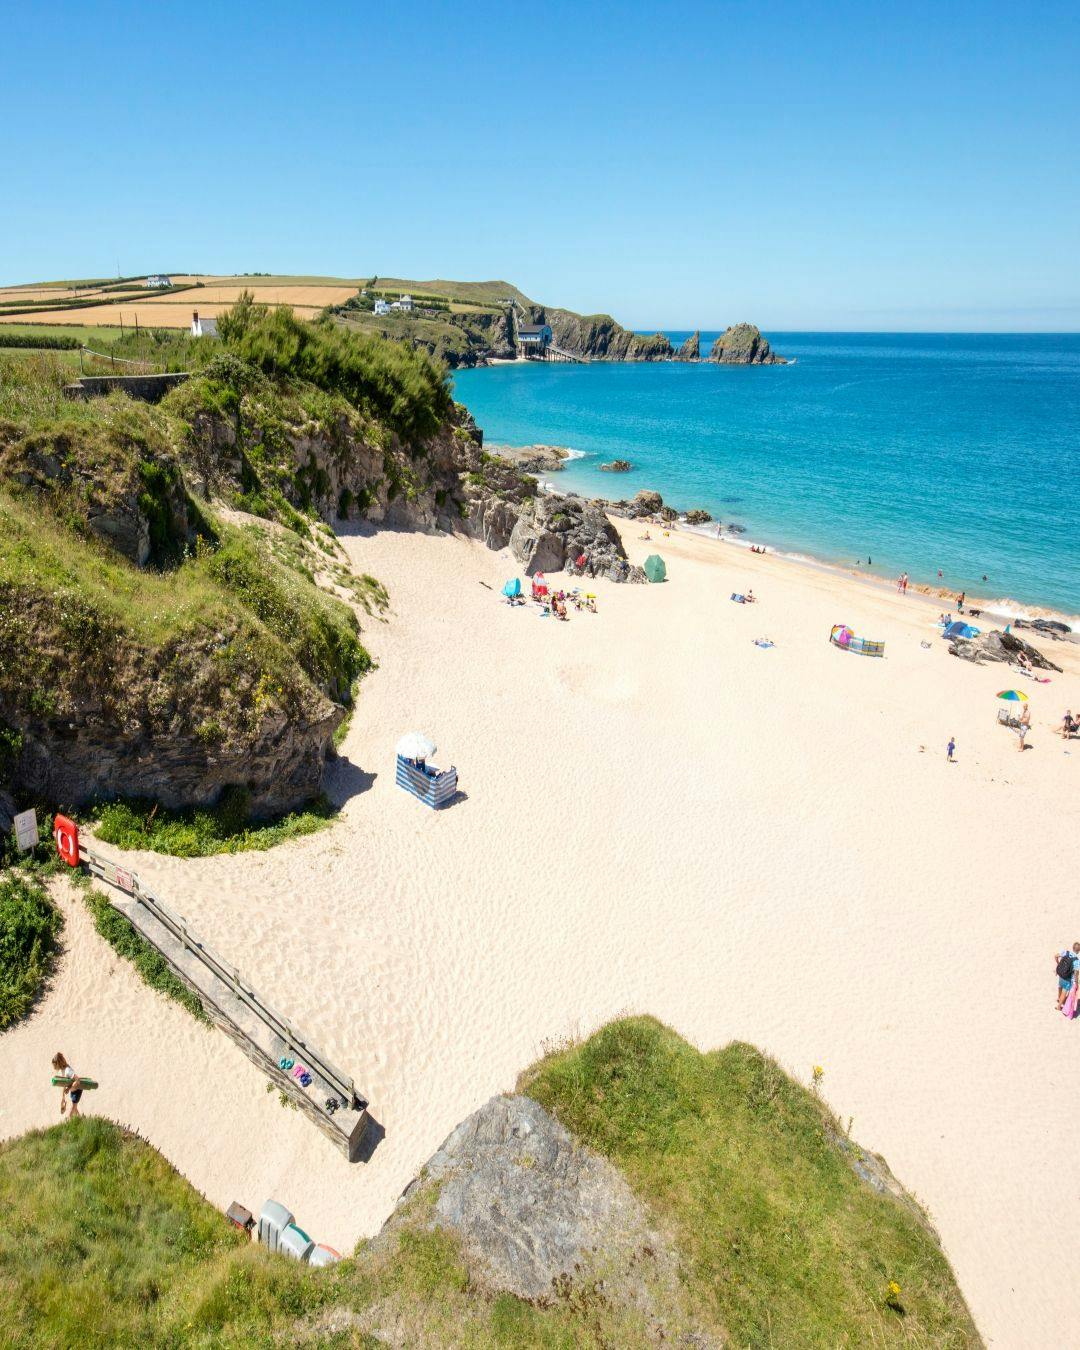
655,567
416,746
1013,696
512,589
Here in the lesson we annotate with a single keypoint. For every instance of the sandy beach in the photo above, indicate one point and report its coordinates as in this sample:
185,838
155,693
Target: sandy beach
659,816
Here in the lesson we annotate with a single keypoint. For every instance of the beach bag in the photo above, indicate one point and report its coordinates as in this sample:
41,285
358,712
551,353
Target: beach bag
1065,967
1069,1008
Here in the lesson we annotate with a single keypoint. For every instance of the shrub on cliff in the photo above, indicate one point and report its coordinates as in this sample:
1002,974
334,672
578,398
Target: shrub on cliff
29,930
387,380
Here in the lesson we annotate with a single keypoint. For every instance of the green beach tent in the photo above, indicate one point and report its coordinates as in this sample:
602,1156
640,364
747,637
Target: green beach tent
655,568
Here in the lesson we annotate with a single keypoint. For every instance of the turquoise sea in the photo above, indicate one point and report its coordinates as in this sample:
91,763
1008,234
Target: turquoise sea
921,452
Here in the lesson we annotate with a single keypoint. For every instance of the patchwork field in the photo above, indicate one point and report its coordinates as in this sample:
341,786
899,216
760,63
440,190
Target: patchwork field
165,309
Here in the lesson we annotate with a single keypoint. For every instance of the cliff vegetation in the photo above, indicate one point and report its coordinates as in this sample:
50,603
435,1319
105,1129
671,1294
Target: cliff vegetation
171,620
722,1204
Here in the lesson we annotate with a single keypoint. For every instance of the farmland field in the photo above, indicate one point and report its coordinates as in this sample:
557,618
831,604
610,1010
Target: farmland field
212,295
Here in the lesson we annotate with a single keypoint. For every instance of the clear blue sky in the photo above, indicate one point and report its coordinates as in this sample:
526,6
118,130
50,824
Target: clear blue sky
910,166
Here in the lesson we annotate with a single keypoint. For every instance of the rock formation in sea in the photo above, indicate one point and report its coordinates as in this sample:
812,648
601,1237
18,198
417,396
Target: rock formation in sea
690,349
617,466
533,458
743,345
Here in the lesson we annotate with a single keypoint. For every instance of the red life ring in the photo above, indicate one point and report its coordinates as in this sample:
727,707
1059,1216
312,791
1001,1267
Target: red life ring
66,834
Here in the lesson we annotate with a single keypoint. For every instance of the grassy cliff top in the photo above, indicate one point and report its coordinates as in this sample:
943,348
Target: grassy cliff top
778,1239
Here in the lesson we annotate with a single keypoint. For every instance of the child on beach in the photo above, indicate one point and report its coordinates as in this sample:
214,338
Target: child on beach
950,750
74,1089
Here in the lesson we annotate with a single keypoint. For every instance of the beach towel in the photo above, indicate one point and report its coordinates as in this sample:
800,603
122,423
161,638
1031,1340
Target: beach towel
763,642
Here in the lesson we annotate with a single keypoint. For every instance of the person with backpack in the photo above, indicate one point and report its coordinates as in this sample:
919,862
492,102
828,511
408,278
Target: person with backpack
1066,964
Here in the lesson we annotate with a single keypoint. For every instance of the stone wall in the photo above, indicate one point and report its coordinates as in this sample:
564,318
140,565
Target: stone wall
146,388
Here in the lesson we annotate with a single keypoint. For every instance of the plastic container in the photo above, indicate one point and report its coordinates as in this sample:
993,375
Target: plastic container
295,1242
323,1256
273,1221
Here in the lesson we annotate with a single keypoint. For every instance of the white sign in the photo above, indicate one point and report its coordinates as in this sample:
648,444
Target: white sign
26,835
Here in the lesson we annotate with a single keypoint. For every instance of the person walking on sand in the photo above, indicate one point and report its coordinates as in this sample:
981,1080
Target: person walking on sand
63,1069
1066,966
950,750
960,602
1025,725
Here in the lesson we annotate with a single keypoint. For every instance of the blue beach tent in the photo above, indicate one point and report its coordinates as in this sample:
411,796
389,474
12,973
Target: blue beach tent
512,589
959,630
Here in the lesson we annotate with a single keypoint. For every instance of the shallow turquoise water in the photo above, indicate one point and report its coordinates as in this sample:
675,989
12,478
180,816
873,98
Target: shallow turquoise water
922,451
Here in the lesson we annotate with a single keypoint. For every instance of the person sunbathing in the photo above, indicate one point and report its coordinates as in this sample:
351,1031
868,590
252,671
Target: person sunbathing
749,597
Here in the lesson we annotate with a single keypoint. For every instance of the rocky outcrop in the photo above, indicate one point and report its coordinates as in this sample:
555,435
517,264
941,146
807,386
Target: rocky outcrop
646,503
553,533
743,345
998,646
698,517
107,716
542,1217
690,349
617,466
129,491
533,458
599,337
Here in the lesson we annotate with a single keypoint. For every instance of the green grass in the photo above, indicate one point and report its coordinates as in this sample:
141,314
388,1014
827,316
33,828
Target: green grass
29,932
780,1244
200,833
470,292
98,1234
87,333
103,1243
783,1245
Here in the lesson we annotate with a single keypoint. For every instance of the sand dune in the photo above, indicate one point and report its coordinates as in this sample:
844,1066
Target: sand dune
660,816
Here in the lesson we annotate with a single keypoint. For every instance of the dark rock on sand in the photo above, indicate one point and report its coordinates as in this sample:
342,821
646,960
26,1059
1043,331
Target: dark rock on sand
998,646
646,503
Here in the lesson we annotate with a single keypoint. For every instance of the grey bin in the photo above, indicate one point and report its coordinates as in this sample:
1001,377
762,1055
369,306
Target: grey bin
274,1219
323,1256
295,1242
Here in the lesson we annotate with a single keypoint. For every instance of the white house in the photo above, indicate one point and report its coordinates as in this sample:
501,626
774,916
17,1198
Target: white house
203,327
156,282
405,303
381,307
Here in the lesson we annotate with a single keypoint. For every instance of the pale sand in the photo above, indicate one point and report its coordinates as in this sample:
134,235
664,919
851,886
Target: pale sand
660,817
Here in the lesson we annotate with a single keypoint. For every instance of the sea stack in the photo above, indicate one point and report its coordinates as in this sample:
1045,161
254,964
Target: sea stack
743,345
691,348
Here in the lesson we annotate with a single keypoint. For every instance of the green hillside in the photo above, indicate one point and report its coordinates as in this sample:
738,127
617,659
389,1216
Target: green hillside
778,1240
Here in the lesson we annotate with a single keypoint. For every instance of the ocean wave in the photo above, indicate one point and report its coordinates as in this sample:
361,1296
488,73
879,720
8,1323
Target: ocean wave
575,454
1012,610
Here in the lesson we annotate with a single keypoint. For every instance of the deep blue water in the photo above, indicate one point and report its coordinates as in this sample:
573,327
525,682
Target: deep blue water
955,452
